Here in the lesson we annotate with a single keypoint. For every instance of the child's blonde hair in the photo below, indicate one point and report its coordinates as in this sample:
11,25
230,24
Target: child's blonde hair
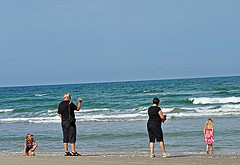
27,139
209,124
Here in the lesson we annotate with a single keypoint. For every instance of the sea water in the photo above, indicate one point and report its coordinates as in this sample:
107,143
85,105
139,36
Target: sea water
113,116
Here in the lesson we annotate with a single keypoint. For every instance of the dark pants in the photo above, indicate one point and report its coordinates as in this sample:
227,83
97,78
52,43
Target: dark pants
155,133
69,132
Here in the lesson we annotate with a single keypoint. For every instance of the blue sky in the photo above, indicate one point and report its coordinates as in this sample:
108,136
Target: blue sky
76,41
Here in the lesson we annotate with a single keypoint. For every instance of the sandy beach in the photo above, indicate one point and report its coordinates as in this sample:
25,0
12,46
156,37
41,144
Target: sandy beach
119,159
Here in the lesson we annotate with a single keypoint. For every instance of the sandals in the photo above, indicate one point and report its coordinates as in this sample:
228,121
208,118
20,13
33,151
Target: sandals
72,154
75,154
68,154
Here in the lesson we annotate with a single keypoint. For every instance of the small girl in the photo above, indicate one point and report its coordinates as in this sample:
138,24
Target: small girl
29,147
208,134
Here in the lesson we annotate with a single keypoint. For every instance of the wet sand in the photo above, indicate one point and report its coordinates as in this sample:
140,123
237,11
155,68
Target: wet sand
119,159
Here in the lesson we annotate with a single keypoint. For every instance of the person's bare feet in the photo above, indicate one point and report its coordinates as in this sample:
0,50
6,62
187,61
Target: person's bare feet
31,153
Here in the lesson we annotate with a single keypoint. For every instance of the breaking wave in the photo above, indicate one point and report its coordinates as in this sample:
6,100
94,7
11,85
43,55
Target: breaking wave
6,110
136,114
214,100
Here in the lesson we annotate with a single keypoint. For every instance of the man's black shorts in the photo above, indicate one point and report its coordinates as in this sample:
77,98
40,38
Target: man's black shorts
69,132
155,133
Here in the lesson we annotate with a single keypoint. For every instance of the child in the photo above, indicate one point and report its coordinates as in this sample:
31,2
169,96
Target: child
208,134
29,147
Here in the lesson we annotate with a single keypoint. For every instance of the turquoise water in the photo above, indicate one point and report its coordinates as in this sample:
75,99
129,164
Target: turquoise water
113,116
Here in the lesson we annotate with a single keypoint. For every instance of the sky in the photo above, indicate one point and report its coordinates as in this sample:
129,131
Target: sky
79,41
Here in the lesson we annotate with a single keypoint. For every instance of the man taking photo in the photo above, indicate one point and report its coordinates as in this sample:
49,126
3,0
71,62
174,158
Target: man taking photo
66,112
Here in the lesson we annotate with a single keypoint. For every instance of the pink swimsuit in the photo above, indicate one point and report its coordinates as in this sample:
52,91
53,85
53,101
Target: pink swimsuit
209,136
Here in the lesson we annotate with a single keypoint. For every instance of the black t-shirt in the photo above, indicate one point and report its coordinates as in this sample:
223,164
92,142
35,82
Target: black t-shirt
63,109
154,117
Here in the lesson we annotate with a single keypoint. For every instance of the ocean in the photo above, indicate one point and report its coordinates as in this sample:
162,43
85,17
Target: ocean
113,116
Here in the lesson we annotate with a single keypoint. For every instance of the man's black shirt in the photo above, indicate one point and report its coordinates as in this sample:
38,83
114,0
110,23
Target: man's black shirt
63,109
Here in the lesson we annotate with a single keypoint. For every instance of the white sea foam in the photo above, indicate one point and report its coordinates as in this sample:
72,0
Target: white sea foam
135,114
111,116
144,110
227,108
223,110
33,120
220,114
165,110
140,109
231,107
39,95
84,110
52,111
79,117
6,110
215,100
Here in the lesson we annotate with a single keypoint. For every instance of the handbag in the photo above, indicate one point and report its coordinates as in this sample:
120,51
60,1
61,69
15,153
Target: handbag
70,119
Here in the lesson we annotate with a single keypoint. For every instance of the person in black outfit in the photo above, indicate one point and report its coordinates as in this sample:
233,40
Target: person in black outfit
154,127
68,126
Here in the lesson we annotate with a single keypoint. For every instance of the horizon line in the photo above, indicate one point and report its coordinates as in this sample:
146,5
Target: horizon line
118,81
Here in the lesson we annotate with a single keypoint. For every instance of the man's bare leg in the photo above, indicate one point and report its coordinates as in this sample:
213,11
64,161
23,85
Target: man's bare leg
66,147
73,147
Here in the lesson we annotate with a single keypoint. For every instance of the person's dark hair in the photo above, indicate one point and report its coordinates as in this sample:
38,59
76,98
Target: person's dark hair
156,100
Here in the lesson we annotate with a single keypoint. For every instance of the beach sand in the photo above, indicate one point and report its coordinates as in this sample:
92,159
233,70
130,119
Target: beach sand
119,159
